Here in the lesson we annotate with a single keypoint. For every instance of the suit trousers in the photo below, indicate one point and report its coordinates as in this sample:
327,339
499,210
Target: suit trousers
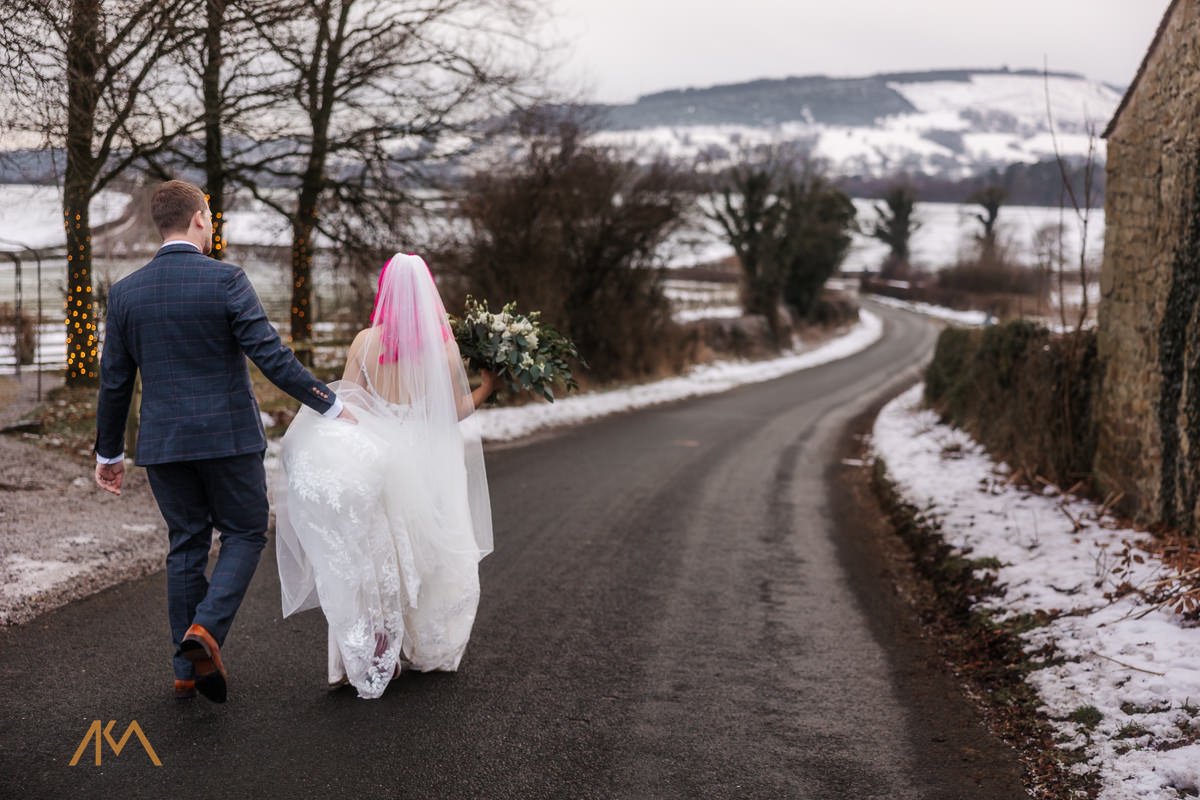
229,494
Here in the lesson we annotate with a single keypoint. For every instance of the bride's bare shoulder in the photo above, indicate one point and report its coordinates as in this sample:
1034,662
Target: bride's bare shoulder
363,337
360,346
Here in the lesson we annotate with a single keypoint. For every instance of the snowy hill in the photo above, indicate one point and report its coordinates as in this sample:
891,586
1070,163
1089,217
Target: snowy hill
949,124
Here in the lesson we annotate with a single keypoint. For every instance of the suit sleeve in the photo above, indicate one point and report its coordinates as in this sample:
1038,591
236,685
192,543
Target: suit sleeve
260,341
118,372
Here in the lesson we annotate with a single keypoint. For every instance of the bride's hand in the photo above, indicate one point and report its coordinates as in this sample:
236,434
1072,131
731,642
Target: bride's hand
487,380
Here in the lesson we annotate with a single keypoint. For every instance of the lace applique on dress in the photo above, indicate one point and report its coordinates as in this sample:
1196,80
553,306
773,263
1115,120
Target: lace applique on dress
360,499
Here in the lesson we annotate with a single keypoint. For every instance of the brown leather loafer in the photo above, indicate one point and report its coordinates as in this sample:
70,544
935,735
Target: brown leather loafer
199,647
184,689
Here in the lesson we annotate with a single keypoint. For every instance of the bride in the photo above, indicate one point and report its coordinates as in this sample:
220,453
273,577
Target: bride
383,523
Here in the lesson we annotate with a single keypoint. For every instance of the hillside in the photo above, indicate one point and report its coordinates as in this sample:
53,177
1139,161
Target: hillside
951,124
943,128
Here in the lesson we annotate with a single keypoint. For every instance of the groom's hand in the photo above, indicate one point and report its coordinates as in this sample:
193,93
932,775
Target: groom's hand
346,416
109,477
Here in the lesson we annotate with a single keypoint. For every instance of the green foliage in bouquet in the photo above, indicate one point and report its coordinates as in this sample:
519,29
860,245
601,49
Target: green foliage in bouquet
523,351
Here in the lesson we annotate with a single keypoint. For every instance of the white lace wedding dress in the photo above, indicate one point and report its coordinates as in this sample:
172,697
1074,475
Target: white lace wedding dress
381,523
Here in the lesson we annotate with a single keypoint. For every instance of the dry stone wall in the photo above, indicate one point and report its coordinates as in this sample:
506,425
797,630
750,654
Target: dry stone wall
1148,413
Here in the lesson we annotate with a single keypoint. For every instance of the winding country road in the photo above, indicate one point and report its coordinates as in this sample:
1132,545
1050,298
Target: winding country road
683,603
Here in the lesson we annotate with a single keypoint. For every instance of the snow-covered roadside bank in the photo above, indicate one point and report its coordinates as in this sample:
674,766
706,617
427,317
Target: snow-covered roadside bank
1123,684
506,424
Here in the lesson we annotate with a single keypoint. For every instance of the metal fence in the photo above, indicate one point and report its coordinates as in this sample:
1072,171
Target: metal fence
24,295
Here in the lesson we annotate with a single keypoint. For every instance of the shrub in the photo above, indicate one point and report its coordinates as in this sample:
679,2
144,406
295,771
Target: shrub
1024,393
573,230
994,275
944,383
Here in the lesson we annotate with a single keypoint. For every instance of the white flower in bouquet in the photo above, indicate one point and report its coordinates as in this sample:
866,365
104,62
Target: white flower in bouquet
528,355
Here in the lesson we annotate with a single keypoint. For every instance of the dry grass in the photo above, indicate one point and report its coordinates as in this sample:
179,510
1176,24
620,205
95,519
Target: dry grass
1179,588
9,389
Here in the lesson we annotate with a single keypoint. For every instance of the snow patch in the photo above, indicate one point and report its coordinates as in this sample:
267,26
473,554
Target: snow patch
1138,665
30,576
970,318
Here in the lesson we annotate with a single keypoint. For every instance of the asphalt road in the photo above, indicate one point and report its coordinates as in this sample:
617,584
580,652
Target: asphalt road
684,602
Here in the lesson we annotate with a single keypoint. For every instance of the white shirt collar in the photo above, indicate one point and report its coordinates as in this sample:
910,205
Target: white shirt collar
179,241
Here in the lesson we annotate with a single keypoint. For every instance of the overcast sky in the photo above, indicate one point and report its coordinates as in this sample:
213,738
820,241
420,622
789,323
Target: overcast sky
618,49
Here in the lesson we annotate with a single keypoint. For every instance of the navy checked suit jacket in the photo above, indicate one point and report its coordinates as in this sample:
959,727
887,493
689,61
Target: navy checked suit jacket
188,322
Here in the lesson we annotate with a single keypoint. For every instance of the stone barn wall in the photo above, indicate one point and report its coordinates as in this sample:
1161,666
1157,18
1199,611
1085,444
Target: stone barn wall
1148,412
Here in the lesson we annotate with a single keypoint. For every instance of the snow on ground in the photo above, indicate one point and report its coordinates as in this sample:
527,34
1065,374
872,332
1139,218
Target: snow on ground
972,318
1137,665
1073,295
891,147
696,244
958,128
61,538
32,216
947,232
689,293
504,424
708,312
946,235
1019,98
976,319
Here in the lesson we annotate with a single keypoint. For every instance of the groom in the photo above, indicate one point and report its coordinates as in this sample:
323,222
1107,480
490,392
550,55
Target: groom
187,322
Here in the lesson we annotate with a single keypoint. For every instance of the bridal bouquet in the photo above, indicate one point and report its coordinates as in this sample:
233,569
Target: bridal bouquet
517,347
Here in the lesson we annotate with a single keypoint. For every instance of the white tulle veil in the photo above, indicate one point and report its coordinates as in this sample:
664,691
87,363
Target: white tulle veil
405,370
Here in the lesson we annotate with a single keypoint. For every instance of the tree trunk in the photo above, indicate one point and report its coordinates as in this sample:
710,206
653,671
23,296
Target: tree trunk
764,298
303,229
79,181
214,156
761,289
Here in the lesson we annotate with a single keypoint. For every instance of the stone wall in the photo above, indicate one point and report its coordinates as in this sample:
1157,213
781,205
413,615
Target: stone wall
1148,413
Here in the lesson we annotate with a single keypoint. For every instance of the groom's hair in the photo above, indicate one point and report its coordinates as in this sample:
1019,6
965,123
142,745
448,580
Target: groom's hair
173,205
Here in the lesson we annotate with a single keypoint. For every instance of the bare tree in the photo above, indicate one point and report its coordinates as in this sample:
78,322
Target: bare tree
113,113
1047,248
751,209
1081,203
371,91
575,230
789,227
233,97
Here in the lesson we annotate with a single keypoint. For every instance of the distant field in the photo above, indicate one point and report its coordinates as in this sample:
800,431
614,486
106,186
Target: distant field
31,215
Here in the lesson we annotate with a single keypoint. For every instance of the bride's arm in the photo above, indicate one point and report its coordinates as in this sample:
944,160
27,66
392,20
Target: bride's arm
467,403
483,391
